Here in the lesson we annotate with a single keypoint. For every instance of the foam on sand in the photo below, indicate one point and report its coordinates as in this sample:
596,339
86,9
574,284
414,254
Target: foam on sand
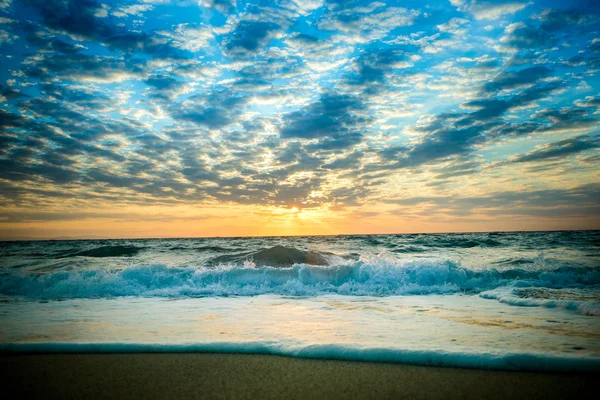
441,330
499,360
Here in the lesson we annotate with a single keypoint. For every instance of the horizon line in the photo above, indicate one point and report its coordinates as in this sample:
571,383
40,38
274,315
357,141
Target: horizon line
67,238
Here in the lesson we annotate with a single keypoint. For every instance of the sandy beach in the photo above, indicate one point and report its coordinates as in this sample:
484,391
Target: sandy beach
232,376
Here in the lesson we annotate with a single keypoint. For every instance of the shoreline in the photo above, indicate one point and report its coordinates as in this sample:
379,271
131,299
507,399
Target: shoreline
223,376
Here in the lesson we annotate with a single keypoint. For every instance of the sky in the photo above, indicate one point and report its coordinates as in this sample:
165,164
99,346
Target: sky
157,118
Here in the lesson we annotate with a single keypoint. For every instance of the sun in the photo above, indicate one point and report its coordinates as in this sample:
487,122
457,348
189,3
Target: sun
295,209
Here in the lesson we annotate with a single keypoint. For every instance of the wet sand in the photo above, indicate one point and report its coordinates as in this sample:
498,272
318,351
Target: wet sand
234,376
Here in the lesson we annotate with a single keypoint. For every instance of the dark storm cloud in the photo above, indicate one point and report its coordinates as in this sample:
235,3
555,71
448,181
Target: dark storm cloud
560,149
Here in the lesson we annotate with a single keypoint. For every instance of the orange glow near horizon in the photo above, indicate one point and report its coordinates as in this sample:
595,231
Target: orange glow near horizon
232,221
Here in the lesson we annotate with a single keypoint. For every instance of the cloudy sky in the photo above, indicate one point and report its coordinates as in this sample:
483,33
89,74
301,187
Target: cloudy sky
215,117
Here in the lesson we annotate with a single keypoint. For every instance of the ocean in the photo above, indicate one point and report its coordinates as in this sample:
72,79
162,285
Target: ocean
517,300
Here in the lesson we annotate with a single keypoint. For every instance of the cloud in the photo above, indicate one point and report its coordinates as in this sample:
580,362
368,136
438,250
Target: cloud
450,134
370,69
72,17
6,37
363,24
190,37
164,87
8,93
565,119
137,10
455,26
81,20
317,103
578,201
83,67
335,121
483,10
590,101
508,80
223,6
458,168
11,120
560,149
545,31
248,38
217,110
83,97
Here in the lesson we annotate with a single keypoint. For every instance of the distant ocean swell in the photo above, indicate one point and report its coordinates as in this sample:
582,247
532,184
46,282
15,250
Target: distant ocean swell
372,277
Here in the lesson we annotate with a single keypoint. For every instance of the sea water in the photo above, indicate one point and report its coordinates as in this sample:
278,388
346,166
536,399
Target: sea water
524,300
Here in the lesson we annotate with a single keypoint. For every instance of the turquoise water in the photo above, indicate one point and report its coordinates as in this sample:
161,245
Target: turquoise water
488,300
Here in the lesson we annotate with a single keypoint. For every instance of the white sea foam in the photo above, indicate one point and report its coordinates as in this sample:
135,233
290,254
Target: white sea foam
503,361
508,295
445,330
376,276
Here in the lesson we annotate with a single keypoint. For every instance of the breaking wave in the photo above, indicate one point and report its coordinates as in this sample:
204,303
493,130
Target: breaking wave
278,256
374,277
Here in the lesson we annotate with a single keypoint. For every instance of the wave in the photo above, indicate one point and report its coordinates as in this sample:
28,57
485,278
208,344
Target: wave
584,301
375,277
277,256
523,361
452,241
104,251
408,249
215,249
515,261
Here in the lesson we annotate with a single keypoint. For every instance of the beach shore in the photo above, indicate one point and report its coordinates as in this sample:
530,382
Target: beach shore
231,376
